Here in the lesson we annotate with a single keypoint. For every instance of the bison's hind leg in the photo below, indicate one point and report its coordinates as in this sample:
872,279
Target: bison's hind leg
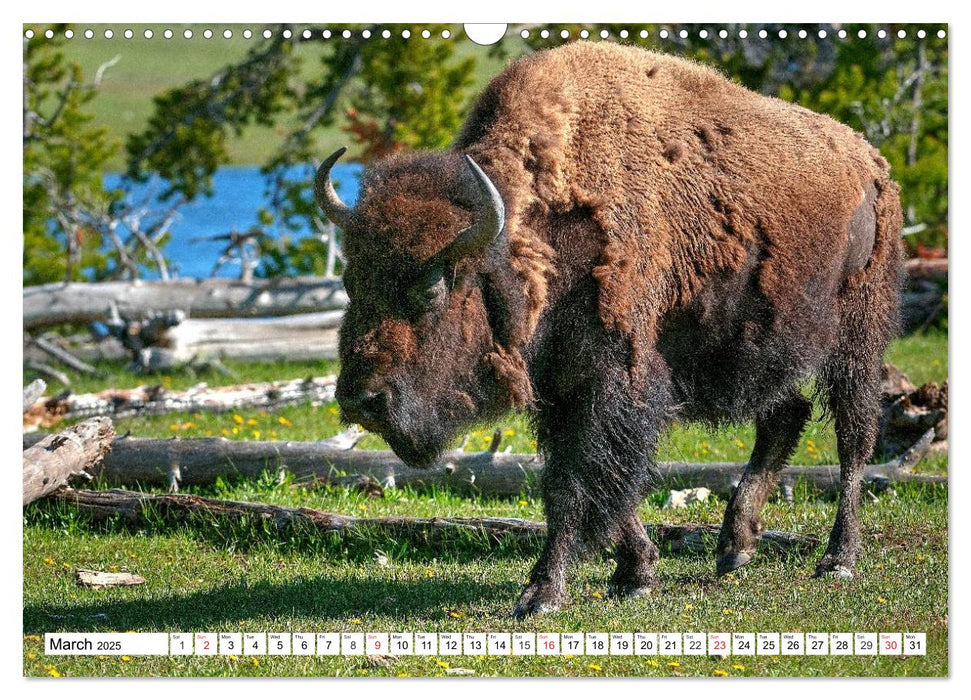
776,437
854,400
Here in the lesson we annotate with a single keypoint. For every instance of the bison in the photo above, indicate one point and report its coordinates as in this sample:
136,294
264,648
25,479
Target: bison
618,239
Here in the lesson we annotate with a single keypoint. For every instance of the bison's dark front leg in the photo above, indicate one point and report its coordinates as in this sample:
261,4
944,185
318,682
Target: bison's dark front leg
565,509
854,397
636,557
599,443
776,436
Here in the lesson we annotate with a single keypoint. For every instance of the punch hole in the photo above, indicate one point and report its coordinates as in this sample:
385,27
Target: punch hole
366,33
644,34
425,34
148,33
49,34
486,34
168,34
247,34
684,34
446,34
742,34
228,34
29,34
69,34
663,34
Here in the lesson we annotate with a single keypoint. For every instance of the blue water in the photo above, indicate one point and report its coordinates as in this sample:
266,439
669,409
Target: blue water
238,194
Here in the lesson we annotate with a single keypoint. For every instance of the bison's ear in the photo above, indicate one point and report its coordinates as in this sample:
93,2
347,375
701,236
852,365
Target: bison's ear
490,218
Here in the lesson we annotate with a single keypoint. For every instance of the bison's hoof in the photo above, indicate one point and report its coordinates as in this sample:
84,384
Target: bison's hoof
732,560
536,600
833,570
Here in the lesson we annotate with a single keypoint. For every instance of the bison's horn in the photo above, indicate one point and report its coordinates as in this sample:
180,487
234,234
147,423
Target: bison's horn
489,220
326,195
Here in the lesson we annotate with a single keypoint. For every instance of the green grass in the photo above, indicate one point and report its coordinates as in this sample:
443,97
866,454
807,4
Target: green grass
204,577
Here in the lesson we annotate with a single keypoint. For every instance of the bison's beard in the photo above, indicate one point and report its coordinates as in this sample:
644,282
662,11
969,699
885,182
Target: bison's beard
420,434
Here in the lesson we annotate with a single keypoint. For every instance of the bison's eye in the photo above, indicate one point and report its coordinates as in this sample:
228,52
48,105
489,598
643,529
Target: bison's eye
427,290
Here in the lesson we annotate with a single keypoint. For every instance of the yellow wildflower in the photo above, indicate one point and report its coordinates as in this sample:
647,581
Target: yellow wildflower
881,599
443,664
238,419
674,664
354,621
255,661
282,420
256,434
594,667
738,667
48,560
597,594
126,658
252,421
719,672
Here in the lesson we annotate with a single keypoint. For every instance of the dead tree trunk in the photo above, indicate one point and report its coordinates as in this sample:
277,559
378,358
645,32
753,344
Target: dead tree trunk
56,459
200,461
141,508
53,304
154,400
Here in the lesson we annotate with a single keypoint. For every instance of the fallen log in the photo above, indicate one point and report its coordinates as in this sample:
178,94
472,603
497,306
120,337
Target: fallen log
271,339
33,391
154,400
201,461
74,452
141,508
98,580
81,303
63,356
908,412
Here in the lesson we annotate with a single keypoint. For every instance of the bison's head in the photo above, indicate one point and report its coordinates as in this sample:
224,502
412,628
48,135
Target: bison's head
422,342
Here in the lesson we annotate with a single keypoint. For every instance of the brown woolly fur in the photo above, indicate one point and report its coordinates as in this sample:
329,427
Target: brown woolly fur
674,246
